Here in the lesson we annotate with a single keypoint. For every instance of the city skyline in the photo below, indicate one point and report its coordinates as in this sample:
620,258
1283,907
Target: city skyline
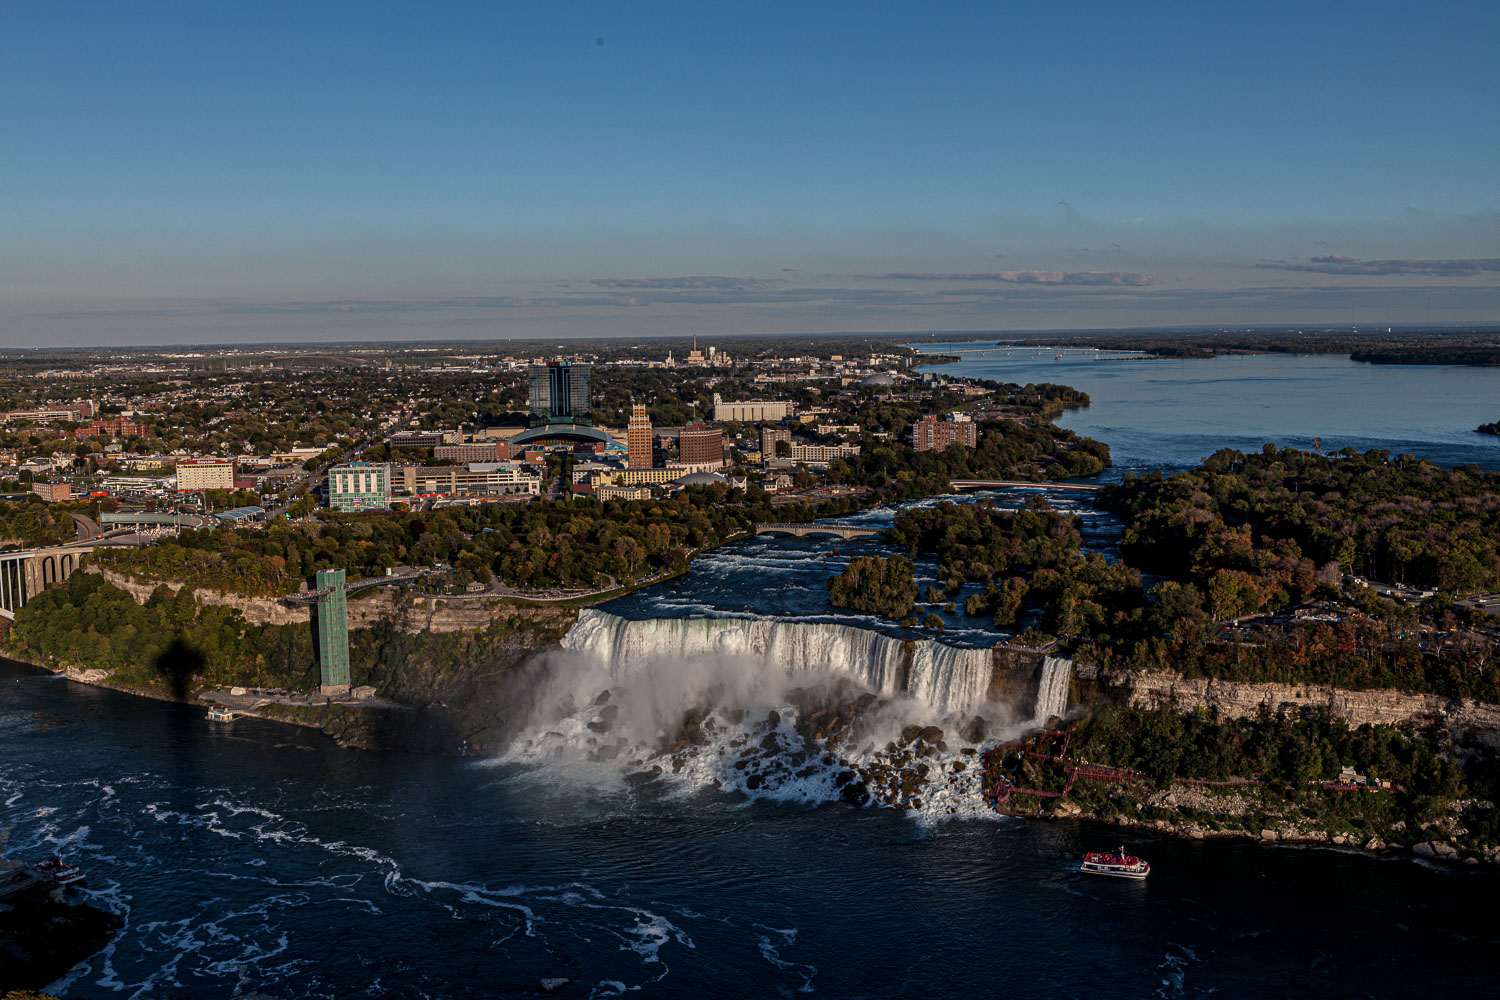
352,173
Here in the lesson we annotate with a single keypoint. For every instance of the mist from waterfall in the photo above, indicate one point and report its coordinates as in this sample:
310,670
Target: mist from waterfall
792,711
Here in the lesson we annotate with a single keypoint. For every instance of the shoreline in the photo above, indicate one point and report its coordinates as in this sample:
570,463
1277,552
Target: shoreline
1372,847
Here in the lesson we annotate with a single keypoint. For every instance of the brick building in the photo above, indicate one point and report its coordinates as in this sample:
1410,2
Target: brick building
932,434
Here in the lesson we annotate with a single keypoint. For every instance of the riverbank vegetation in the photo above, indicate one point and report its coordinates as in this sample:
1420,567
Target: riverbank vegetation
171,645
1198,774
1493,428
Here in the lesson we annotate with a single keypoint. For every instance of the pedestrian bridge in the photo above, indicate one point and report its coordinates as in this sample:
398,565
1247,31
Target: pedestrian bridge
806,528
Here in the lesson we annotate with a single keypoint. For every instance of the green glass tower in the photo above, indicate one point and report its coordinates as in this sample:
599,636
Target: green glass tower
333,632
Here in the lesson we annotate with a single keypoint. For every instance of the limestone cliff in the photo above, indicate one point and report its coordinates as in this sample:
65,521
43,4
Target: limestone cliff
411,613
1469,721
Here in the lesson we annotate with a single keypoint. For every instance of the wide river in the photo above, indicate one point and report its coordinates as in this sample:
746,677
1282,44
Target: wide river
1173,413
262,857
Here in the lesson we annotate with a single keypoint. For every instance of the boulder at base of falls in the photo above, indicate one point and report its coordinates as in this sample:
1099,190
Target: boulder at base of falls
1422,850
974,731
932,734
547,987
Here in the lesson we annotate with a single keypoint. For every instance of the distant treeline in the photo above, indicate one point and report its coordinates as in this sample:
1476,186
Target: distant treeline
1493,428
1411,346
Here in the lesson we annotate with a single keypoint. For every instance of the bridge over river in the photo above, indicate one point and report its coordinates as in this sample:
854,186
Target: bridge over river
1000,484
806,528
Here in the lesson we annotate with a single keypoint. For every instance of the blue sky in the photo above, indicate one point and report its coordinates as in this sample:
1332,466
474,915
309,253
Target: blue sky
181,171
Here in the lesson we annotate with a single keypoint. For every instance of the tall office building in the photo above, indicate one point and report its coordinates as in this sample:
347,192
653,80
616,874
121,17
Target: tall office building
560,393
638,438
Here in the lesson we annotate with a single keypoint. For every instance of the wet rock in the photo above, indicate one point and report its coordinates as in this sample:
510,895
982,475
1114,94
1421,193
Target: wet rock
607,752
773,718
601,700
970,751
1063,808
769,742
1374,844
1443,850
974,731
1268,835
754,781
931,734
1423,850
547,987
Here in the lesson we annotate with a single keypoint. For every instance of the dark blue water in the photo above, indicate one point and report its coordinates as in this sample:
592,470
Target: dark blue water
1174,413
262,857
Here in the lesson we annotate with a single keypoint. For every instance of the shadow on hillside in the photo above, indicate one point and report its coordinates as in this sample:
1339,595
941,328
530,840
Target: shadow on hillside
176,665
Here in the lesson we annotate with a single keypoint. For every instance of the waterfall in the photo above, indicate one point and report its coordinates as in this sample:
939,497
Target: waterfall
948,678
1052,689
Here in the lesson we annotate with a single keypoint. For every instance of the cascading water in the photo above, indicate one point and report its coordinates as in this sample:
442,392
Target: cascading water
794,711
948,679
1052,689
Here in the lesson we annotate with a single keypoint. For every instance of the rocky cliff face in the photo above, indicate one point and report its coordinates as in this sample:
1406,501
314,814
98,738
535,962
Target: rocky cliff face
1469,721
412,614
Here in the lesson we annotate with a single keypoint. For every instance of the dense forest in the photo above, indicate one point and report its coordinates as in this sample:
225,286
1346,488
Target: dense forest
1409,346
575,544
1261,530
875,585
31,523
1028,560
1221,564
1289,756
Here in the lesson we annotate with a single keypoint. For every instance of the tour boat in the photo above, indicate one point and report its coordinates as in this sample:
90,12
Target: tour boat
220,715
1118,864
60,872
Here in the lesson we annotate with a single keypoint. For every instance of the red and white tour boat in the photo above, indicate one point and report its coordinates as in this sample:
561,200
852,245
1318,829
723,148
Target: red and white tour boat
1118,864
